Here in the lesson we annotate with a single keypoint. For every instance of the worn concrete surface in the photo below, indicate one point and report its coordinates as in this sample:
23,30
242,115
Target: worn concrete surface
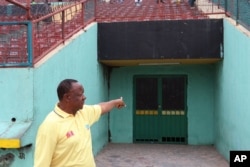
159,155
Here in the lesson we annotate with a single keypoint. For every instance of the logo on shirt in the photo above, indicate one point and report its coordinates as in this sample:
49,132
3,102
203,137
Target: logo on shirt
87,126
69,134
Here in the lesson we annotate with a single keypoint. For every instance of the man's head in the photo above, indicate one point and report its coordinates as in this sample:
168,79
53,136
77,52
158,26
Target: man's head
71,95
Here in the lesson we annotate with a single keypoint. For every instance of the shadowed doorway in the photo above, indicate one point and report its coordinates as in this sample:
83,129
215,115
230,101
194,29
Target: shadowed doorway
160,112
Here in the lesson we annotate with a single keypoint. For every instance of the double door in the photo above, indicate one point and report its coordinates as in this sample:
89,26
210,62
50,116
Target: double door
160,112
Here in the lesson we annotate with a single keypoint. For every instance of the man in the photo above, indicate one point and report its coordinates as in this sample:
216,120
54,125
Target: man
158,1
64,137
191,3
138,2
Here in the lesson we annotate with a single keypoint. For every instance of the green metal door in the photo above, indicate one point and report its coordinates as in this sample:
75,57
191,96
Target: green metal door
160,109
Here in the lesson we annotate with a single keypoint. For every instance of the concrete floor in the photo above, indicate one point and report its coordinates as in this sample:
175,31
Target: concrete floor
159,155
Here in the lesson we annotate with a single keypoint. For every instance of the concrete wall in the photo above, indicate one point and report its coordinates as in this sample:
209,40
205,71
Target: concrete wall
16,102
200,100
30,94
232,89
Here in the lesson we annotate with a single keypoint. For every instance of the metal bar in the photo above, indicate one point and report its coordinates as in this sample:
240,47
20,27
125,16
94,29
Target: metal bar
226,10
95,8
237,12
63,25
30,43
82,13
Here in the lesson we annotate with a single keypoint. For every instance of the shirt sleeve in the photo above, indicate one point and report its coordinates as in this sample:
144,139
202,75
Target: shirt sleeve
45,145
91,113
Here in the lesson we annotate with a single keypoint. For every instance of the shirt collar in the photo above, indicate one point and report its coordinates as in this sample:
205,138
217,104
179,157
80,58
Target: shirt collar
61,113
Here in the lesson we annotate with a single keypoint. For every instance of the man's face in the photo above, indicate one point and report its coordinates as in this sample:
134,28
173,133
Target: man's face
76,97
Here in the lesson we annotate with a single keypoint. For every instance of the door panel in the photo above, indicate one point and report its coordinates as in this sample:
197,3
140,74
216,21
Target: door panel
146,109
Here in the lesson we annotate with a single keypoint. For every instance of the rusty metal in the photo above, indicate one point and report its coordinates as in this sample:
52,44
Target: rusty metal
27,7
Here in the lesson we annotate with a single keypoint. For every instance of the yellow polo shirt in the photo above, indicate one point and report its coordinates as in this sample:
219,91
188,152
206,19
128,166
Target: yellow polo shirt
64,140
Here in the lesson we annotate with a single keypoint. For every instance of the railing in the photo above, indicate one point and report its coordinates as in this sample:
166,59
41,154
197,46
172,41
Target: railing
23,43
239,10
53,29
14,42
27,34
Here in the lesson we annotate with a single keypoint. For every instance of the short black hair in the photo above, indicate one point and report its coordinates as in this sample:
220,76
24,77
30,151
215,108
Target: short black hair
64,87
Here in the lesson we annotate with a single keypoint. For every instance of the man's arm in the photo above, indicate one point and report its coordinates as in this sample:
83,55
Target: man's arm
109,105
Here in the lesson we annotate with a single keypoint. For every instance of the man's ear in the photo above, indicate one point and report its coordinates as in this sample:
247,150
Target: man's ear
66,97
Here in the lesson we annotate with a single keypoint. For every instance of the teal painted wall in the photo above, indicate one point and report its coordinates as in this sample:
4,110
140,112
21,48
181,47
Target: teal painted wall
200,100
30,94
16,101
232,92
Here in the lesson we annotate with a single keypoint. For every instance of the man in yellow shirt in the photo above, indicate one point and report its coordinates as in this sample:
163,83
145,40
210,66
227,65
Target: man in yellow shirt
64,137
